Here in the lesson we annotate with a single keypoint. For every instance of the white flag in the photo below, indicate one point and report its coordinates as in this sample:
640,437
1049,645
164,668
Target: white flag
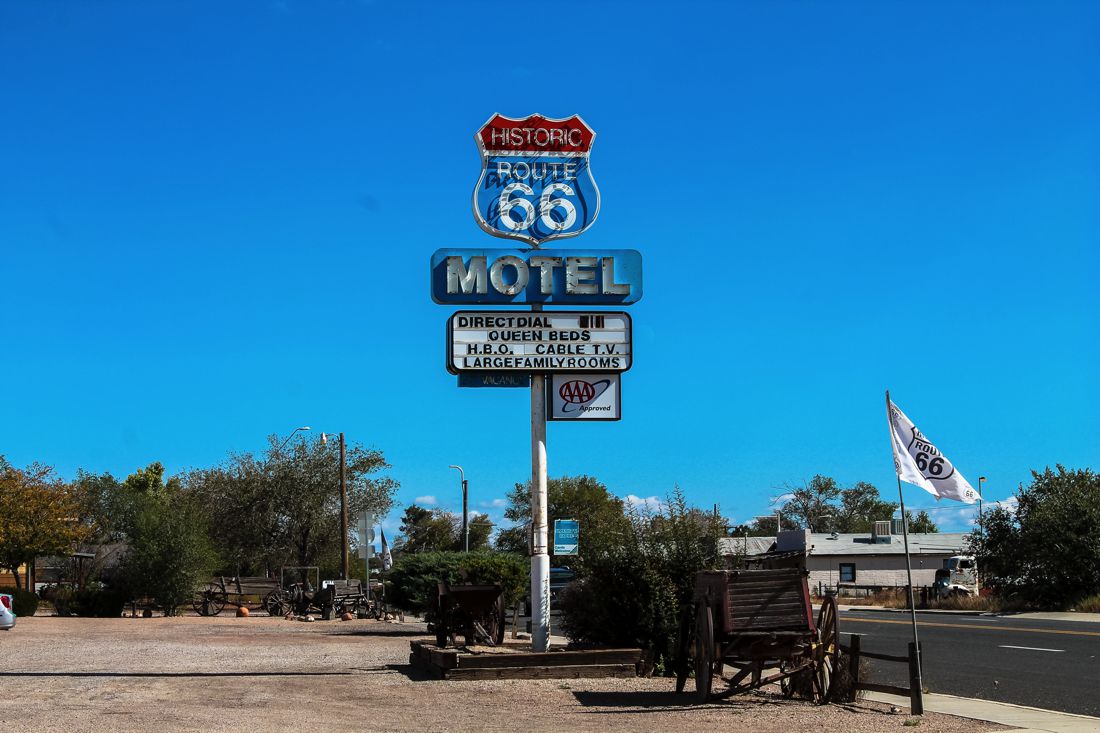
387,558
919,462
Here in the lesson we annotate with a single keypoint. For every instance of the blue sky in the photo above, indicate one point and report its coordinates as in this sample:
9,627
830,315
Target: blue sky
216,221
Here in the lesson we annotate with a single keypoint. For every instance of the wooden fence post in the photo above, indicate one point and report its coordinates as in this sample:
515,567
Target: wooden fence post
853,665
916,694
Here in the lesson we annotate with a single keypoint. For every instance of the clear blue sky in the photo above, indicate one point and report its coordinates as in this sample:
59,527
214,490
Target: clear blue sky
216,221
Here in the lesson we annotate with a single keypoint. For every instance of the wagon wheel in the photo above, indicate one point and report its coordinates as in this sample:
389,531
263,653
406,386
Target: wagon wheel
827,653
683,649
704,652
210,600
275,604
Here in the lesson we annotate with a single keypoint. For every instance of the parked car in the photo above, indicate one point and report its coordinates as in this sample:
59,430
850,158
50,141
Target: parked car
7,616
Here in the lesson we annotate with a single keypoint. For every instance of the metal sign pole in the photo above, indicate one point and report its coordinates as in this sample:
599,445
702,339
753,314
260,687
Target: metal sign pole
916,682
540,558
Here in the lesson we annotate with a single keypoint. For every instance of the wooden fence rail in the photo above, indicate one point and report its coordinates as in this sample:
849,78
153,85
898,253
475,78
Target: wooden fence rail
913,659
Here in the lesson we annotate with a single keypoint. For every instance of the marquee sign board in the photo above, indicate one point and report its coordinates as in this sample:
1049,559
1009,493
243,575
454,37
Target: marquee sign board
536,183
584,397
551,276
539,341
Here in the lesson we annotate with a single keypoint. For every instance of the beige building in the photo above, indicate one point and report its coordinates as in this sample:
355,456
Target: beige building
856,563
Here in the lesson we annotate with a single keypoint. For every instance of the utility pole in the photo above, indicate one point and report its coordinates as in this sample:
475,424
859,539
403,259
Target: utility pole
344,511
465,508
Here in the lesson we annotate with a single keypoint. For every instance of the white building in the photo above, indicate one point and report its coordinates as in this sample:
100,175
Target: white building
857,562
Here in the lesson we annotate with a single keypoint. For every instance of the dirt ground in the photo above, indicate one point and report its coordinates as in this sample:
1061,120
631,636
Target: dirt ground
259,673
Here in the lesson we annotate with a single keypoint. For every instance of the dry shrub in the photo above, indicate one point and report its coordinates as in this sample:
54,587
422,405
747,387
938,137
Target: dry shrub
843,684
1088,605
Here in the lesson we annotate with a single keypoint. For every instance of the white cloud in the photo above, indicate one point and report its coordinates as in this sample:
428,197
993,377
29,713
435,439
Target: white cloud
494,504
648,503
425,500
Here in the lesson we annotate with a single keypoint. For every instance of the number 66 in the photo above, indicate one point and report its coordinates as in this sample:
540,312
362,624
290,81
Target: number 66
546,205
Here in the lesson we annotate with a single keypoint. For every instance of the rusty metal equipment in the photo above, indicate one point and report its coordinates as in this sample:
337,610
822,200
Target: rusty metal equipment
474,611
760,624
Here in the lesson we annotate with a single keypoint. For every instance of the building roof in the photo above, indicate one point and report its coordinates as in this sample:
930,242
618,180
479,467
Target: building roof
822,543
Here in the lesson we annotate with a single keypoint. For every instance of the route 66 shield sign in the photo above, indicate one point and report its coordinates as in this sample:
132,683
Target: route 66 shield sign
536,182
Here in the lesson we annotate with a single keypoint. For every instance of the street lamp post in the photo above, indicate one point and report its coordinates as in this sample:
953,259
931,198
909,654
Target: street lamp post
343,504
981,480
304,427
465,510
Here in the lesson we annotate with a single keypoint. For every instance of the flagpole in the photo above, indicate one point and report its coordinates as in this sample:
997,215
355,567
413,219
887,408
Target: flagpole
905,539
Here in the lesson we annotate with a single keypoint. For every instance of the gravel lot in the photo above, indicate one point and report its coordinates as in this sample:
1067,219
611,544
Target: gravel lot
259,673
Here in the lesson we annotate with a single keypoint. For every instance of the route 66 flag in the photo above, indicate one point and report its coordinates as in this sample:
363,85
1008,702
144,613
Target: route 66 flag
917,461
387,558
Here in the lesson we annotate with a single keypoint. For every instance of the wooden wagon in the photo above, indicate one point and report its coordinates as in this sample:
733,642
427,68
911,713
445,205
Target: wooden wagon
760,624
222,591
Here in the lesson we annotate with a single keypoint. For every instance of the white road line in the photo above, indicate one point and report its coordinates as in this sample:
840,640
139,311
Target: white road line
1030,648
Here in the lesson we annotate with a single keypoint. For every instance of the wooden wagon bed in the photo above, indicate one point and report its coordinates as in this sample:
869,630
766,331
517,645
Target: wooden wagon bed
756,621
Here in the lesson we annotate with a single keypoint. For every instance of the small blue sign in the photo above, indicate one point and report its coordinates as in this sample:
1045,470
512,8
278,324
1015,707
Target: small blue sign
566,536
536,183
551,276
493,379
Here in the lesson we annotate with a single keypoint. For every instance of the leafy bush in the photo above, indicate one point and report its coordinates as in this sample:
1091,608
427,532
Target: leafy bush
100,602
170,552
23,602
414,578
636,584
93,600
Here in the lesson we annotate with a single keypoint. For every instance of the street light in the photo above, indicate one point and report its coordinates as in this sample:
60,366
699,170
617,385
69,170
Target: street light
981,479
465,517
343,505
304,427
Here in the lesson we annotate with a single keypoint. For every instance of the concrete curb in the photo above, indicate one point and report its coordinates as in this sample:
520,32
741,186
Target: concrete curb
1002,713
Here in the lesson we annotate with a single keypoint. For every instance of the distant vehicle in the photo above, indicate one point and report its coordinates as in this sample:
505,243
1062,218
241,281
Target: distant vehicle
7,616
559,578
959,577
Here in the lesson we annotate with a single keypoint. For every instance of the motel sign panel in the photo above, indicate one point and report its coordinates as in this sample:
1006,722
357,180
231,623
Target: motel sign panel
544,276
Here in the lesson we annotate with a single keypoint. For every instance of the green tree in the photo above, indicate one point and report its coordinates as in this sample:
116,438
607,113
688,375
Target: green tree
480,530
921,523
809,505
1048,551
427,530
601,515
284,507
860,507
38,516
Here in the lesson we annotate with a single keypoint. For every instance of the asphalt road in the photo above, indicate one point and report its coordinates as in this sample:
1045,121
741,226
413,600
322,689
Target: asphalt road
1045,664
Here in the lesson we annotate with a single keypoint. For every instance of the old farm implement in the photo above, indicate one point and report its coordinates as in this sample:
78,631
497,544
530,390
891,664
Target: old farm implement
474,611
759,624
